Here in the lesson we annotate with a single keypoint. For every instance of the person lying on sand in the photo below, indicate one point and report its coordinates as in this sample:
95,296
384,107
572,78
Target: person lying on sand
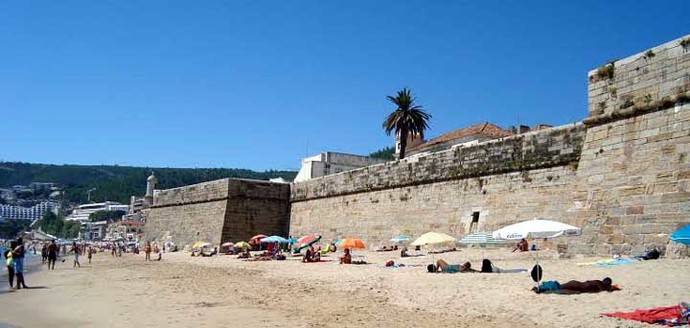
443,266
245,255
488,267
576,287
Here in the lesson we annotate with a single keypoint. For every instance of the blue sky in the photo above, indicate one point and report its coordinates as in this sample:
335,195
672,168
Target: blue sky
257,84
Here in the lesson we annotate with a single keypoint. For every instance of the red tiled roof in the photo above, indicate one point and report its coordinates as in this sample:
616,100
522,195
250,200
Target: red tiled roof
482,129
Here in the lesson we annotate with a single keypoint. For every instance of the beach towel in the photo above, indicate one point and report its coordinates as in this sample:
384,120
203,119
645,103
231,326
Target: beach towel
615,262
666,315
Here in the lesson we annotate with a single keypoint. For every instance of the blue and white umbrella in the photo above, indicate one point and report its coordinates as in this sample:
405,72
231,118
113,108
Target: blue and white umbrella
275,239
479,238
400,239
681,235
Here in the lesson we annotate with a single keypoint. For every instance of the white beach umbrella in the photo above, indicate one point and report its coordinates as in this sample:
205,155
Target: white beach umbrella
536,228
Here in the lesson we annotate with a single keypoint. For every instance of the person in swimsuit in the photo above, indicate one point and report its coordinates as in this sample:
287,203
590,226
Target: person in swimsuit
52,255
10,263
76,250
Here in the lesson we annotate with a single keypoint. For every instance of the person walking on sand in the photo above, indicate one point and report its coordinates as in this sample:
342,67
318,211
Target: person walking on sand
147,250
10,263
44,253
76,250
18,258
53,250
89,253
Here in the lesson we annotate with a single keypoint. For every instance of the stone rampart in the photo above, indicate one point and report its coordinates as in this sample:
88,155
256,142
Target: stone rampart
219,211
623,174
651,80
535,150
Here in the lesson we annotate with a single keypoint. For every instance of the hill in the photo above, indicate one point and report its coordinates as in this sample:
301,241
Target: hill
117,183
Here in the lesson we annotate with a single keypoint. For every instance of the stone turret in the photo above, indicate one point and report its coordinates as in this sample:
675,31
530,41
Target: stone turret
150,186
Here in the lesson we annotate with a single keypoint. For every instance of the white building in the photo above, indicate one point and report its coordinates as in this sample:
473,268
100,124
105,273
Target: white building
93,230
82,212
328,163
35,212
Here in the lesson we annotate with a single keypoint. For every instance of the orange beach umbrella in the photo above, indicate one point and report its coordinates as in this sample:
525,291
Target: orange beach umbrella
256,239
352,243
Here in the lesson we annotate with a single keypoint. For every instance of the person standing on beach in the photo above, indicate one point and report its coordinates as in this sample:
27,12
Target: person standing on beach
10,263
76,250
53,250
18,258
89,253
44,253
147,250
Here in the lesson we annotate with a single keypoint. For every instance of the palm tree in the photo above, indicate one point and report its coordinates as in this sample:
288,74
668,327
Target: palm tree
408,118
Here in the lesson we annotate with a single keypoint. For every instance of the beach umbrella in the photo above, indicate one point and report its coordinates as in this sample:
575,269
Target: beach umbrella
227,244
400,239
536,229
200,244
242,244
274,239
255,239
352,243
479,238
681,235
308,239
433,238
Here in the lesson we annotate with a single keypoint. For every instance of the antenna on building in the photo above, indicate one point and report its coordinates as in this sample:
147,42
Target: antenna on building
88,194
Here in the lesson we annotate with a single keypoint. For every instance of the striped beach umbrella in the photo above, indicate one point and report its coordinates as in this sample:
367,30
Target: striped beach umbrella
479,238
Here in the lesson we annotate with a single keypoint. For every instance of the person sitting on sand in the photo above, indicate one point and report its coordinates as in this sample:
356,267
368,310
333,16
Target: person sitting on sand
308,255
522,246
403,252
346,258
576,287
487,267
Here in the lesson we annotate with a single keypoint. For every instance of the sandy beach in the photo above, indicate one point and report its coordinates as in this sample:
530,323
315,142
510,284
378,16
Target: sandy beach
222,291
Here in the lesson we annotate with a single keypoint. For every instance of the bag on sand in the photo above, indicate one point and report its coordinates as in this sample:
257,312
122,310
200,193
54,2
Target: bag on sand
536,273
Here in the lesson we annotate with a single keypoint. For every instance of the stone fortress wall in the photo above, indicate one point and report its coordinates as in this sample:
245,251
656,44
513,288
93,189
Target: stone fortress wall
219,211
622,174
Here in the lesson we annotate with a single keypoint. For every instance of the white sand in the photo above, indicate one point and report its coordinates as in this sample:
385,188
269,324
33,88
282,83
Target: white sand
183,291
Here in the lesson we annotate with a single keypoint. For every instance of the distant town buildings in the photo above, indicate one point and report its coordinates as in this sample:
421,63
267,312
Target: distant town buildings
93,230
36,212
328,163
82,212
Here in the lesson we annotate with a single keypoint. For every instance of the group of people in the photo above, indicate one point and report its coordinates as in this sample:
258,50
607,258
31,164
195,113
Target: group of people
487,267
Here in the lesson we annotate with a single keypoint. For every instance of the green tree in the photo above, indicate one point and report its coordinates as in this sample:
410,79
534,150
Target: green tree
9,229
387,153
58,226
106,215
407,118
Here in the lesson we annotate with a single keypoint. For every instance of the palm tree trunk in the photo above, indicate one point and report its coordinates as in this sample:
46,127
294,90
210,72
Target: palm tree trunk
403,143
